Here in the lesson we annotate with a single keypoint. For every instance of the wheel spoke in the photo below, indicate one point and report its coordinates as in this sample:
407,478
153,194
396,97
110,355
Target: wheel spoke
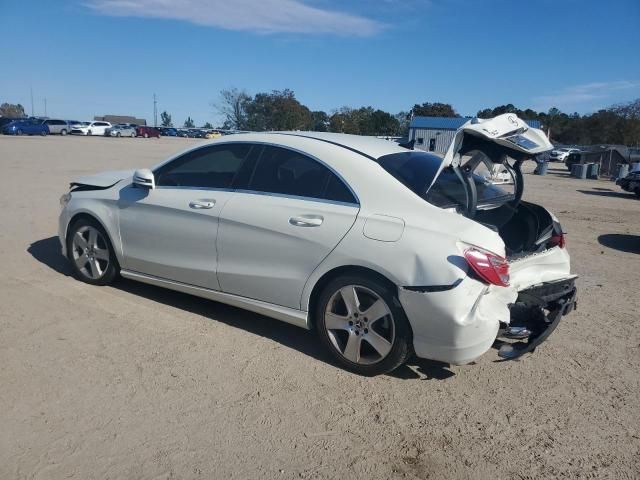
93,237
335,322
352,349
101,254
379,343
96,271
376,311
81,261
79,241
350,298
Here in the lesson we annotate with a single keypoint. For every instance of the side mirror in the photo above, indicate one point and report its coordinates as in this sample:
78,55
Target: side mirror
143,178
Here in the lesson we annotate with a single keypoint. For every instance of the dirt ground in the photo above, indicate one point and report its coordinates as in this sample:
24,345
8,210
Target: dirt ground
134,381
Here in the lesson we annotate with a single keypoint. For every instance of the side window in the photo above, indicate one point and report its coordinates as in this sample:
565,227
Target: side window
208,167
286,172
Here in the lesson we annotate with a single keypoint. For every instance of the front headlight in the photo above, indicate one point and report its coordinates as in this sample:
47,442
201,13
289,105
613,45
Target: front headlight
64,199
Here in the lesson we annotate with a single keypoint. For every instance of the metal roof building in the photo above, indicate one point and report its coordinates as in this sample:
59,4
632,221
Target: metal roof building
435,134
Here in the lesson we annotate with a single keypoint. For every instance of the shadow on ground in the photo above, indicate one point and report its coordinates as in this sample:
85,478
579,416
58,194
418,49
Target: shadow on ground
622,242
608,193
47,251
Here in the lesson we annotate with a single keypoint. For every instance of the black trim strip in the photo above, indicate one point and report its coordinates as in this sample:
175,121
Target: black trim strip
434,288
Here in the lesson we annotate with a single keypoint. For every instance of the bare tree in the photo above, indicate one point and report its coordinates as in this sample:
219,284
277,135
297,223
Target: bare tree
232,105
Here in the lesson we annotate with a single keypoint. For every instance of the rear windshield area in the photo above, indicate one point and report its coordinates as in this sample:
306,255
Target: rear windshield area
416,170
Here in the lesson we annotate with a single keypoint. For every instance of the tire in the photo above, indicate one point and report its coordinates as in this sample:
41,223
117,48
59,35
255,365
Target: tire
89,133
637,192
366,346
63,132
146,135
118,134
18,132
91,254
133,135
43,133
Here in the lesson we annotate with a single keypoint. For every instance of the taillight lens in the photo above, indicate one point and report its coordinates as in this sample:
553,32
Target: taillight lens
490,267
557,240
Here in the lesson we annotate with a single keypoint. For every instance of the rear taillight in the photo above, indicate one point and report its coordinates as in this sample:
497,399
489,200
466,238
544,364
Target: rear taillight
557,240
490,267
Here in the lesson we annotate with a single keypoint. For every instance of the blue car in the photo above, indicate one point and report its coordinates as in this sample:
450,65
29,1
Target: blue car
30,126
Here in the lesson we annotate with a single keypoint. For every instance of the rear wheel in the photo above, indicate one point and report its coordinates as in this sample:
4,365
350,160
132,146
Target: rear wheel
118,134
361,322
637,192
63,132
91,253
18,132
146,135
89,132
43,133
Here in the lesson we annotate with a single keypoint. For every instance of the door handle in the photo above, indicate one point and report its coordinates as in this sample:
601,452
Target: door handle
202,205
306,221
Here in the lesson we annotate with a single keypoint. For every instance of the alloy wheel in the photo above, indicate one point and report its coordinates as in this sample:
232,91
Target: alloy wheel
90,252
359,325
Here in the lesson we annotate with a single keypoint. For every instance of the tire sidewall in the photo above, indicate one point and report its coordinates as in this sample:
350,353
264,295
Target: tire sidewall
402,347
113,268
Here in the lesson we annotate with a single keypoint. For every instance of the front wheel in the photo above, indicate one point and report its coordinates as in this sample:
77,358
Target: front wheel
91,253
637,192
18,132
146,135
360,320
63,132
89,133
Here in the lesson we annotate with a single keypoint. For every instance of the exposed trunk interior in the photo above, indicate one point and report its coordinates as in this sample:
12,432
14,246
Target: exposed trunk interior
525,229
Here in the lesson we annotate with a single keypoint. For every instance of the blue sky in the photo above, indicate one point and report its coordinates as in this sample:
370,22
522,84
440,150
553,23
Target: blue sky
94,57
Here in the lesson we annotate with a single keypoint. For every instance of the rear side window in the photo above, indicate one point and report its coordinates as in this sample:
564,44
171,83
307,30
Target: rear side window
208,167
287,172
416,170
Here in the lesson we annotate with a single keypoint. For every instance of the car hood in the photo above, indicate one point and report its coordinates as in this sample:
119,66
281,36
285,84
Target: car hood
104,179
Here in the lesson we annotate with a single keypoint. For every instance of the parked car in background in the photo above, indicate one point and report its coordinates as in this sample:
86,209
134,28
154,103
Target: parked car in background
169,132
196,133
213,134
443,265
630,183
561,154
90,128
6,120
57,127
146,132
121,130
31,126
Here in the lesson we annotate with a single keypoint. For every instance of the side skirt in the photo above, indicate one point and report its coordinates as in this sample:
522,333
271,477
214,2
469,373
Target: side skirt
285,314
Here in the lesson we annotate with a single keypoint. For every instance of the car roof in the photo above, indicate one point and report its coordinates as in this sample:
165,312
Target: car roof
370,147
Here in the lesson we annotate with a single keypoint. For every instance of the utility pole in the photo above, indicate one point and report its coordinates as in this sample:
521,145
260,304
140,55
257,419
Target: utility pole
32,112
155,111
45,106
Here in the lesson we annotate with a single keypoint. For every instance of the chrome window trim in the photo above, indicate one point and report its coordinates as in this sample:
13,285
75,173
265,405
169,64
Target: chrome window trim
262,143
298,197
266,194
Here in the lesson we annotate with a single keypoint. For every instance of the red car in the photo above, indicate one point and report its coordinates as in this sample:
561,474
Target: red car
146,132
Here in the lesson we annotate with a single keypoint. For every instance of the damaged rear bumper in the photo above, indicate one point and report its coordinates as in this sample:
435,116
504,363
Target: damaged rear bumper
460,324
535,315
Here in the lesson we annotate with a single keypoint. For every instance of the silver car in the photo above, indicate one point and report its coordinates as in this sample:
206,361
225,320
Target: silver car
120,130
57,127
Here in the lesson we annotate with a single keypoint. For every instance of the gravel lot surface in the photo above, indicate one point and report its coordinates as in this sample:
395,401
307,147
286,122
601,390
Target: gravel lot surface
134,381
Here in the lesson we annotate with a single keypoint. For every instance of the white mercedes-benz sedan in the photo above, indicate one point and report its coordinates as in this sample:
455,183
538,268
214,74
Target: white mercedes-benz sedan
385,251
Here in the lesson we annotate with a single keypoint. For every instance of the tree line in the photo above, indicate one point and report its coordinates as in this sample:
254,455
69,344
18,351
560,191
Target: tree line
281,110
